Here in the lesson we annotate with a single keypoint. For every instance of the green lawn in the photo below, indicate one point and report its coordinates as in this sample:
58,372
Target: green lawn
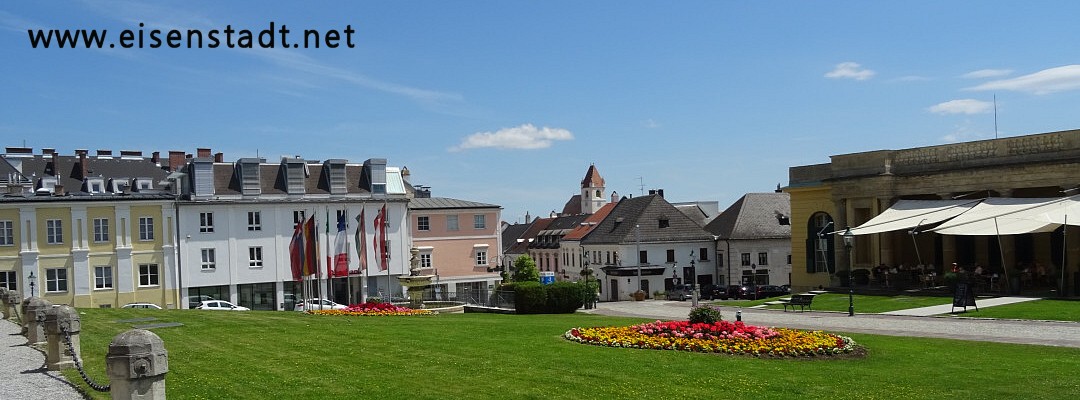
1053,310
863,303
284,355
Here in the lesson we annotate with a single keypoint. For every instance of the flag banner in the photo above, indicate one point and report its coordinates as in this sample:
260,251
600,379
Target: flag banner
311,248
341,258
361,240
380,240
296,252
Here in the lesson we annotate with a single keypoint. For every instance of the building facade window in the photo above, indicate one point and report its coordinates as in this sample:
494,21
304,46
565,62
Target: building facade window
254,221
255,257
206,222
101,230
719,259
746,259
146,228
643,257
297,218
671,255
820,246
451,223
9,280
208,258
7,233
56,280
762,258
703,254
103,277
423,223
148,275
425,260
481,257
479,221
54,232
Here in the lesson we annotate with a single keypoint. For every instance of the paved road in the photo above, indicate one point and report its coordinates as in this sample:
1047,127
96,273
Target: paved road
1049,333
22,370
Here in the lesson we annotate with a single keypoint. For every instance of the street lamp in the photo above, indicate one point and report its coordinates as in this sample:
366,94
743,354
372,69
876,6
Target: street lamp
697,289
849,242
586,271
33,282
753,280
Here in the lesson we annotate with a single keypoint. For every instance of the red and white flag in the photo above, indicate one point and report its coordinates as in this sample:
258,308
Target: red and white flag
361,240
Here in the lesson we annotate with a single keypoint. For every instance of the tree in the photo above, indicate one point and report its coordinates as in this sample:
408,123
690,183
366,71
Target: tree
525,269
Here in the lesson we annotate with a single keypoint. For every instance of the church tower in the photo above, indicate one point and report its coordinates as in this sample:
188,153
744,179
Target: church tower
592,191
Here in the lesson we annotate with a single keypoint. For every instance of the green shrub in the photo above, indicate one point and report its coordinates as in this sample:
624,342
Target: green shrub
564,297
529,297
704,314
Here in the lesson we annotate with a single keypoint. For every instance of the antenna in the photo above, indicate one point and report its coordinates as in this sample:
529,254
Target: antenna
641,184
995,117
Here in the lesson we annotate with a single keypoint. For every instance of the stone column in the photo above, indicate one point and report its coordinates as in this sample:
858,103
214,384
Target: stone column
136,364
58,321
34,313
4,299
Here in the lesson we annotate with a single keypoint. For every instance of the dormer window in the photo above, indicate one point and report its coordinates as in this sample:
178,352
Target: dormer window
48,183
144,183
95,185
664,222
120,185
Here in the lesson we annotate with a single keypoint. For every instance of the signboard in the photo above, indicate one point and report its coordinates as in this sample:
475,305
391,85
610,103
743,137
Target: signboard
547,277
964,296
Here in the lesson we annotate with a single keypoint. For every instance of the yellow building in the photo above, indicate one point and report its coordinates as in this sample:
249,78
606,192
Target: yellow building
87,231
853,188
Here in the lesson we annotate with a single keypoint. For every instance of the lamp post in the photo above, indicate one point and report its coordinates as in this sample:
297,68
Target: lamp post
849,242
33,282
637,243
697,289
586,271
753,280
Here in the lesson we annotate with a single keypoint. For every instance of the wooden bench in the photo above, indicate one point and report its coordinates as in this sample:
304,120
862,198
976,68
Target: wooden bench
801,300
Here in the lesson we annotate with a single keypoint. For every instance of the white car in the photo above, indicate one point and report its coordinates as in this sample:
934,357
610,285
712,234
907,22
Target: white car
142,305
220,305
319,304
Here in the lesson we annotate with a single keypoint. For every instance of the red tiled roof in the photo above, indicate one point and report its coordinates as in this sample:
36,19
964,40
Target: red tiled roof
591,222
592,178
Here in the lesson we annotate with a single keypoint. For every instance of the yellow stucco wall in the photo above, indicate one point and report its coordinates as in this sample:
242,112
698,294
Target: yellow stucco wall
138,212
62,214
805,202
108,213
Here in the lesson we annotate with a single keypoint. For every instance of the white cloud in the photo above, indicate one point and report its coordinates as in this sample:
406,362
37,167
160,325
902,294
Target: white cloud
651,124
850,70
1058,79
526,137
964,133
962,106
987,73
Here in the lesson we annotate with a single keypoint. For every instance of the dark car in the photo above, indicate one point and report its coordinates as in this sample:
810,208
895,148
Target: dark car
719,292
760,292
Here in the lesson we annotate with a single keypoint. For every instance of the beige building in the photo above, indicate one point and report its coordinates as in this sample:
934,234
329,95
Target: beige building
459,242
853,188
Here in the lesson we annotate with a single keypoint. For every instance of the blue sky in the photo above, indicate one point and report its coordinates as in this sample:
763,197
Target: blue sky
508,102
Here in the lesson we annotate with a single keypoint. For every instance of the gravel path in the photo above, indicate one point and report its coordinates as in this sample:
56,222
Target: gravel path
22,370
1049,333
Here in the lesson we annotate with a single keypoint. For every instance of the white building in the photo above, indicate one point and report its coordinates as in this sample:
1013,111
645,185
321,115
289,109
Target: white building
754,240
235,222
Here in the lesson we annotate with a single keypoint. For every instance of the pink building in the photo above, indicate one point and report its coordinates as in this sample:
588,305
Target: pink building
459,242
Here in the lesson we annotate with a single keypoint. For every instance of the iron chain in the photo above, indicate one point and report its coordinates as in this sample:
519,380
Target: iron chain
78,364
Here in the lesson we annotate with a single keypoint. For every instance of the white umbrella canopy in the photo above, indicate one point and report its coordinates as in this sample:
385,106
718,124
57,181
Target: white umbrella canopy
908,214
1014,216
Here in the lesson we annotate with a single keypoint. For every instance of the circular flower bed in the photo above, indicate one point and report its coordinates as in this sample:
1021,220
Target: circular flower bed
718,337
373,309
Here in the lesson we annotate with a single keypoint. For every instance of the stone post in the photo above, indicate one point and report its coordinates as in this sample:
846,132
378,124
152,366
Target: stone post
22,314
6,305
59,320
136,364
12,304
34,314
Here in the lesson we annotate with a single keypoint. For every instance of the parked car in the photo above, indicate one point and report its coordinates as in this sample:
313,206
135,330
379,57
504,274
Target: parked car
220,305
194,301
680,293
724,292
142,305
760,292
319,304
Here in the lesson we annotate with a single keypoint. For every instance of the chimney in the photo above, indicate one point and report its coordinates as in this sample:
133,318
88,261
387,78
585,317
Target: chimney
55,164
219,157
176,160
58,190
20,151
202,152
660,192
83,170
652,192
156,158
614,196
104,153
47,151
130,154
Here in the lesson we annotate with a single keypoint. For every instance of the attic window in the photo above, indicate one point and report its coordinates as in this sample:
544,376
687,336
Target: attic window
664,223
143,183
783,220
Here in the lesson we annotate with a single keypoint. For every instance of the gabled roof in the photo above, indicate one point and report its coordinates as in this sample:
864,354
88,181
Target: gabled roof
69,172
754,216
511,233
592,178
572,206
590,223
272,179
645,212
445,203
537,225
694,212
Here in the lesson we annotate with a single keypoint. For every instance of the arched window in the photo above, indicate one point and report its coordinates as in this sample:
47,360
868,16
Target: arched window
598,194
820,245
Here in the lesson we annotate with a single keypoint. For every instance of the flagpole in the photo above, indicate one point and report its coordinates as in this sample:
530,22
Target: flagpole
330,255
386,252
318,259
348,276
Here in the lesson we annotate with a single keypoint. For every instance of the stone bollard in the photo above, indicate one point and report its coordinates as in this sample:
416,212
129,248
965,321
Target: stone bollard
4,299
11,305
136,364
59,320
34,314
